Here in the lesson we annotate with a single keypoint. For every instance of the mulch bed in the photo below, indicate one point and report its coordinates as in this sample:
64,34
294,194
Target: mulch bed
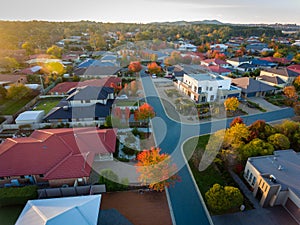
147,208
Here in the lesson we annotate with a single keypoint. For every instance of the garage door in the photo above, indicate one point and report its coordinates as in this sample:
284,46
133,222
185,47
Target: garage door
293,209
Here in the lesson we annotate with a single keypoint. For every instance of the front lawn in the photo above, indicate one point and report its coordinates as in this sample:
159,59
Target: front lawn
213,174
47,104
11,106
10,214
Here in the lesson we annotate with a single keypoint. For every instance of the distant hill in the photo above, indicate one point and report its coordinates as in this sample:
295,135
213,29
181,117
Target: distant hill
183,23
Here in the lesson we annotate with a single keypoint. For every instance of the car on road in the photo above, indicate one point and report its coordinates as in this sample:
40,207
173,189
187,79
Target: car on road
122,97
154,76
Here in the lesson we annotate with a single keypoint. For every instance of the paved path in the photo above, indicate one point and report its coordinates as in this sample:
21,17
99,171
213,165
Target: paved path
264,104
186,200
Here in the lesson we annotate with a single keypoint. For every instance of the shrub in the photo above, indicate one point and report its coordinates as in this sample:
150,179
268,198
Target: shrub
129,151
17,195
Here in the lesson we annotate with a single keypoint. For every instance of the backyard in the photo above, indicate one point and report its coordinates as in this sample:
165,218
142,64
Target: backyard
11,106
47,104
10,214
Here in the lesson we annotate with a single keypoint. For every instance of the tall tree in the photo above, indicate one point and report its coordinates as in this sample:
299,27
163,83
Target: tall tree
135,67
144,113
231,104
156,170
17,91
153,68
55,51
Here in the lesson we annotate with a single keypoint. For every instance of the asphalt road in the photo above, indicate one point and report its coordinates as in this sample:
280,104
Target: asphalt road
186,200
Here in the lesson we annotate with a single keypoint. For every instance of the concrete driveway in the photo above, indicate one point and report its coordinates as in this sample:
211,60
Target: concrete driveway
264,216
264,104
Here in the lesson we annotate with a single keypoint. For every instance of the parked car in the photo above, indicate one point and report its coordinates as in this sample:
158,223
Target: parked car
154,76
122,97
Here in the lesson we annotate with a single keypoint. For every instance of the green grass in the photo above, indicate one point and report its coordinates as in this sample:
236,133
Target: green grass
204,179
126,103
10,107
10,214
47,104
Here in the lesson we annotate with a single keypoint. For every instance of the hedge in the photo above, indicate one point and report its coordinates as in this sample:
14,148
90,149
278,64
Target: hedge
17,195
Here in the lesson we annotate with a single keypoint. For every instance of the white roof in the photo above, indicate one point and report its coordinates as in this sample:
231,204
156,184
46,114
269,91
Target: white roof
30,115
83,210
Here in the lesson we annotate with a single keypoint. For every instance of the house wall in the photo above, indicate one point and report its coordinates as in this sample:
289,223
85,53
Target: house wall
70,182
210,88
287,80
80,103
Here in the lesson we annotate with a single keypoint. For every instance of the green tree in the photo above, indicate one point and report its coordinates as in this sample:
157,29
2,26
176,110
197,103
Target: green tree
279,141
55,51
297,83
29,48
17,91
223,199
236,136
256,147
3,92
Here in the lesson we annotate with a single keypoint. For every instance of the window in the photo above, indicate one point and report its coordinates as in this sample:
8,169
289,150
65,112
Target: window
247,174
266,188
210,89
220,86
259,182
212,97
22,177
207,88
254,180
250,178
199,90
263,185
41,175
87,101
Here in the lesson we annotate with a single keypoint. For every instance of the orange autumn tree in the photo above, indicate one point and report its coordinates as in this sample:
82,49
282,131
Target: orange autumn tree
144,113
156,170
135,67
290,92
153,68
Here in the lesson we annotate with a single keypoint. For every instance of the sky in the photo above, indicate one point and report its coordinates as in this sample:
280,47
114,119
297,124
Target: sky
145,11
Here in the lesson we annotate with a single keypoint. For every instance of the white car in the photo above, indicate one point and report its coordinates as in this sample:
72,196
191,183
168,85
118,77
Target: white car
154,76
122,97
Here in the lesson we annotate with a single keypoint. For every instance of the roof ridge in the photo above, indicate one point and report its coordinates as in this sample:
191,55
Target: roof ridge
38,211
58,164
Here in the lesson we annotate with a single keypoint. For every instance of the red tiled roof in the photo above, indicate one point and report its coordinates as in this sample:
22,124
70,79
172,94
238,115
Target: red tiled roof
12,78
295,68
63,87
103,82
276,60
216,61
218,69
56,153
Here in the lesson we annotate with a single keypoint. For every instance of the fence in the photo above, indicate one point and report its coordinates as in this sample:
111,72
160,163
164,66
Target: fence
71,191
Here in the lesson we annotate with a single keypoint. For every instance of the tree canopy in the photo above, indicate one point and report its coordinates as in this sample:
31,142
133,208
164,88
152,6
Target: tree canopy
222,199
156,169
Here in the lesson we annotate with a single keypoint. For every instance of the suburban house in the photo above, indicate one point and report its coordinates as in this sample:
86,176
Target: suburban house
252,88
98,71
215,62
258,47
219,70
55,156
207,87
263,63
282,61
235,62
275,180
187,47
87,103
63,88
245,67
219,47
284,73
7,79
81,210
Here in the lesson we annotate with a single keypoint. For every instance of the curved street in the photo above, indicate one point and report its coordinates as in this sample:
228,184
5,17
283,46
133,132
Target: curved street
186,201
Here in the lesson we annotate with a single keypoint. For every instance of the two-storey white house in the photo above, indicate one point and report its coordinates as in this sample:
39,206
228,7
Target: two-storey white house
207,87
